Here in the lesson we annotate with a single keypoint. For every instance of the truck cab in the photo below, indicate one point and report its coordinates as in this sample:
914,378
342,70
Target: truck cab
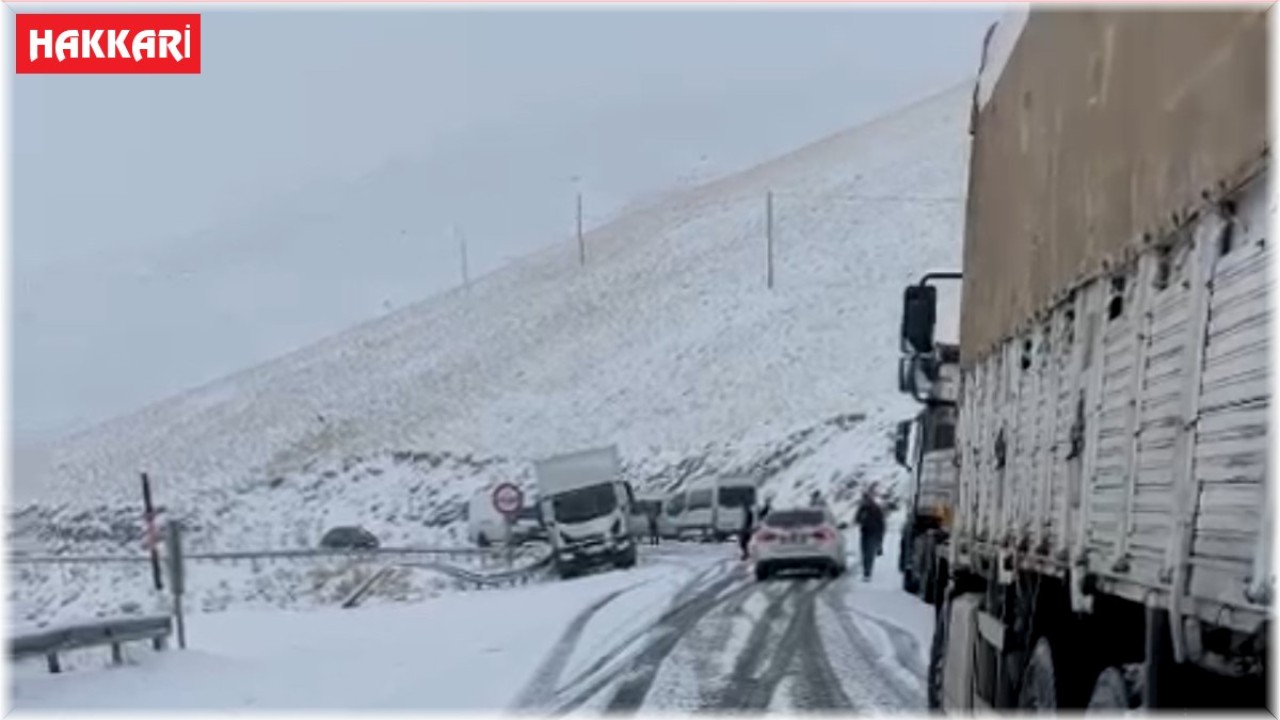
587,509
925,445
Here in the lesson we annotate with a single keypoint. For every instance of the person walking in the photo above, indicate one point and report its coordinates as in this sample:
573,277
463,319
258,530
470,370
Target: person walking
748,524
653,527
870,522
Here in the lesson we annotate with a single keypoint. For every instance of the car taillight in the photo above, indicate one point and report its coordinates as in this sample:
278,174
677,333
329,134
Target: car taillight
823,535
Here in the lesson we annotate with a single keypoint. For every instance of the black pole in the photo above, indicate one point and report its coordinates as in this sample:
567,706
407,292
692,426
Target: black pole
149,517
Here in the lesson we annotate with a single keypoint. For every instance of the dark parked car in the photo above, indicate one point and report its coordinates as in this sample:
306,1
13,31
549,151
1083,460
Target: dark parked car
349,537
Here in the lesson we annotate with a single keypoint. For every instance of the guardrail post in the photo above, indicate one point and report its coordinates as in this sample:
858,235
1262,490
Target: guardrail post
177,579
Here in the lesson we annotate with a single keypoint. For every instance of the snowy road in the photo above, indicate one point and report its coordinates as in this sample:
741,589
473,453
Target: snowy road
728,643
690,629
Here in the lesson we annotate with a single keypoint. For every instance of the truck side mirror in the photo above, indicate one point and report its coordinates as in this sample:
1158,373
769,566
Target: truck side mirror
919,314
901,440
906,375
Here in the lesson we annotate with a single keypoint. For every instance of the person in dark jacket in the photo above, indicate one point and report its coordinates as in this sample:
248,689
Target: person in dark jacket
870,522
748,524
653,527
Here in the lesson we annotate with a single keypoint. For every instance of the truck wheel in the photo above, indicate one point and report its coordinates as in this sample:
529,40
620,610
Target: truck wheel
937,655
762,572
1039,679
909,583
1113,691
628,559
928,572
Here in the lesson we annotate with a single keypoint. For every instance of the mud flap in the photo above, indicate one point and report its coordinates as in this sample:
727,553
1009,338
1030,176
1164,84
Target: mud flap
962,639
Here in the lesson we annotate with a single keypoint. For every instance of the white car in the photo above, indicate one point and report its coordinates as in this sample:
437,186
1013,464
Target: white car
803,538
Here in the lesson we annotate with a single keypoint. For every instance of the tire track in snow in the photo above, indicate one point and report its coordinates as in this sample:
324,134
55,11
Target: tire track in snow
906,648
799,645
817,687
806,636
742,691
638,672
882,682
710,581
541,687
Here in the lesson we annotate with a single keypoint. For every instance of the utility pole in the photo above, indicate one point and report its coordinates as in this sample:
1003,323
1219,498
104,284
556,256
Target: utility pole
149,520
582,246
768,232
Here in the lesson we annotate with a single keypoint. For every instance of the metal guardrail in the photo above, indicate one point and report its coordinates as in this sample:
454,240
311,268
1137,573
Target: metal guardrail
233,555
156,628
515,576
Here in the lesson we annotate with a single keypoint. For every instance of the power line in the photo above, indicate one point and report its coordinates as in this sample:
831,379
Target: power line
873,198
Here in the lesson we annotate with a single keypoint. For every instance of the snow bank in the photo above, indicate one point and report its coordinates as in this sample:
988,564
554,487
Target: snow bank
470,651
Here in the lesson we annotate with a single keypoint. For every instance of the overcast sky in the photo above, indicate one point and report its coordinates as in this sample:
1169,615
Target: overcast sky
169,230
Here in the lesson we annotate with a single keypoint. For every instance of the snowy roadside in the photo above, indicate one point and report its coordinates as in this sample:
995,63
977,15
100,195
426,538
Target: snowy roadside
466,651
881,608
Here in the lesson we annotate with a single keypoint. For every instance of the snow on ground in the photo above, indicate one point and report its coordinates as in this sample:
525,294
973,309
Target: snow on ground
466,651
528,648
630,615
881,606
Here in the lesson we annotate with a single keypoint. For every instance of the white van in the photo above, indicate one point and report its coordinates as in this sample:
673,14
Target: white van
698,517
733,496
485,525
711,507
672,514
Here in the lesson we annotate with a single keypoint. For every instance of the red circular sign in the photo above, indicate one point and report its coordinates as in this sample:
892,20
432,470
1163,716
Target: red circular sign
507,499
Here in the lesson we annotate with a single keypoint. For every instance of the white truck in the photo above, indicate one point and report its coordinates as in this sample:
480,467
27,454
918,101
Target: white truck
1110,537
586,508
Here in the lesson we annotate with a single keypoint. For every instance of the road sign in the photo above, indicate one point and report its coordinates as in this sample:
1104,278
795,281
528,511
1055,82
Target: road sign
508,499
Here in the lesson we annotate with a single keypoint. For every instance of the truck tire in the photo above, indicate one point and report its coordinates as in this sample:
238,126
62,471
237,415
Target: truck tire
762,572
910,584
906,561
628,559
1039,679
937,656
1113,691
929,570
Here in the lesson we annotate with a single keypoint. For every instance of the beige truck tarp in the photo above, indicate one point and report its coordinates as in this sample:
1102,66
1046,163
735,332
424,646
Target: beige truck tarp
1103,126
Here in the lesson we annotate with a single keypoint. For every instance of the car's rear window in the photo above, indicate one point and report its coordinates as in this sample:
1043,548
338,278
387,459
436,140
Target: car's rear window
793,518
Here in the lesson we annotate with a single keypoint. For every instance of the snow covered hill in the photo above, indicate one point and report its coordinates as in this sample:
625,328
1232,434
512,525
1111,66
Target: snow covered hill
667,339
667,343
